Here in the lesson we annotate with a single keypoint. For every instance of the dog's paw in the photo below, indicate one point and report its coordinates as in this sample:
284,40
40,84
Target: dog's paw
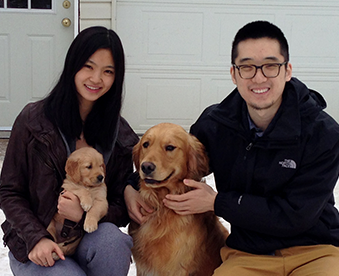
86,206
55,256
90,225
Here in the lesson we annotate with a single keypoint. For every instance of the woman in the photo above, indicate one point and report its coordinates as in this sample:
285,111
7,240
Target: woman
83,109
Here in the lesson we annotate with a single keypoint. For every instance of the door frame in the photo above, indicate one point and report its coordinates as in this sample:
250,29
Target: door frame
76,17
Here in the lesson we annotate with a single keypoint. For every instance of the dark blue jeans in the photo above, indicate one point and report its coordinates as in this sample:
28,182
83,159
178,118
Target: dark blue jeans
105,252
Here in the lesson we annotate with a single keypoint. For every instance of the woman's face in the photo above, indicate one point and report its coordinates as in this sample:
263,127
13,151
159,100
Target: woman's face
95,78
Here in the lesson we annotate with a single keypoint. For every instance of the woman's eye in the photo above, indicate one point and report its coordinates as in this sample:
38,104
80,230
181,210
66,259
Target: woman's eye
110,72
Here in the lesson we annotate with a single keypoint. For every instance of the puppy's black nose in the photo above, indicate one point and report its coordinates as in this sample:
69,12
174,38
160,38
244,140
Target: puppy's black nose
100,178
147,167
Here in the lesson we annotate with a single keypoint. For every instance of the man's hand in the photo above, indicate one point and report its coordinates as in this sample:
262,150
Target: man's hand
199,200
41,254
138,210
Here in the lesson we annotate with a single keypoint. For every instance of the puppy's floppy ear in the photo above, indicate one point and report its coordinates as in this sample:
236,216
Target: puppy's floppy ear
73,170
136,155
198,165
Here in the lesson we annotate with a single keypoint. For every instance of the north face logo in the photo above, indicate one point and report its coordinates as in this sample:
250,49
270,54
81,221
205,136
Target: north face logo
288,163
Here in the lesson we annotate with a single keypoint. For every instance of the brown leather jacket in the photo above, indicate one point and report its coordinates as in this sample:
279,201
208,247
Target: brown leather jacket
32,174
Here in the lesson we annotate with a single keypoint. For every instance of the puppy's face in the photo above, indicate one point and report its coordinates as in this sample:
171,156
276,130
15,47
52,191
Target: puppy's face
167,152
86,166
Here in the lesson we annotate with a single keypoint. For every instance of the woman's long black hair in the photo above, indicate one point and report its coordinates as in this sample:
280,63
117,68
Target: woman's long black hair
62,105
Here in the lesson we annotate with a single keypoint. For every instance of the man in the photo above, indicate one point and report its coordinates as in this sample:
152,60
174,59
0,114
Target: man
274,153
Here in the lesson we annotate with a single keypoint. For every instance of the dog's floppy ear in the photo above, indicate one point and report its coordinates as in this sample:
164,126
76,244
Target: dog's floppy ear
136,155
198,165
72,169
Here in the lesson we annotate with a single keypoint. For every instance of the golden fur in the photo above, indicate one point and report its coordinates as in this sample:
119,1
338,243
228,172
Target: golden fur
168,244
85,175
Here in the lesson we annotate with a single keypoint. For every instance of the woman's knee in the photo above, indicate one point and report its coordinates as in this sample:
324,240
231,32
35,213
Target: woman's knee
106,242
109,234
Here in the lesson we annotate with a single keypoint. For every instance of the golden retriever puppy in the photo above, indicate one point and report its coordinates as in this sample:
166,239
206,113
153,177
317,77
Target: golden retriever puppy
85,175
168,244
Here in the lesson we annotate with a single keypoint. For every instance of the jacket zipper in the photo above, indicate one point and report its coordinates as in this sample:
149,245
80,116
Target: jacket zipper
249,146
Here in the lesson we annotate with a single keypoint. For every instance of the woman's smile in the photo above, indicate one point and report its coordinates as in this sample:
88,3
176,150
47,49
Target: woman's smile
95,78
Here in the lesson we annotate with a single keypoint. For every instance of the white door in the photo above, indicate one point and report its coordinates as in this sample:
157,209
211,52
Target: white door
33,44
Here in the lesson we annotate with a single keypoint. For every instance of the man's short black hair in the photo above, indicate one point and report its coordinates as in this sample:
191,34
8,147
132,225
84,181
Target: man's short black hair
260,29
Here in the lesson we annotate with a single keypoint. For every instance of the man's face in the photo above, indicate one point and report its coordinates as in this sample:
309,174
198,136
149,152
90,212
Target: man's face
261,93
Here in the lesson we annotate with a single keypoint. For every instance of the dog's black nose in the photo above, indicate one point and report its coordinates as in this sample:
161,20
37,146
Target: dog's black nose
147,167
100,178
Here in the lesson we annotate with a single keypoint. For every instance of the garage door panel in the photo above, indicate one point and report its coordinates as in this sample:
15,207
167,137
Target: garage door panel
172,42
216,89
162,98
229,23
307,35
157,34
173,99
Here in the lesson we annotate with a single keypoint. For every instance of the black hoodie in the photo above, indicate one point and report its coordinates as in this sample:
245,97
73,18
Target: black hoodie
276,190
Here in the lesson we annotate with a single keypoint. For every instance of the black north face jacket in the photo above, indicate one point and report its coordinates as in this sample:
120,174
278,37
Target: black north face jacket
276,190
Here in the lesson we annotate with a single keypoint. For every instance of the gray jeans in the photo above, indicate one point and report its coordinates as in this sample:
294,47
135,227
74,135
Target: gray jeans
105,252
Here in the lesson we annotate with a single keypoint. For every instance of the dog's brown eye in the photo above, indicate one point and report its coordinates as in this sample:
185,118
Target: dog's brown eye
145,145
89,167
170,148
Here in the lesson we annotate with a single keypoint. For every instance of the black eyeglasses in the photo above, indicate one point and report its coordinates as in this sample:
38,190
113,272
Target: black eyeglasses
269,70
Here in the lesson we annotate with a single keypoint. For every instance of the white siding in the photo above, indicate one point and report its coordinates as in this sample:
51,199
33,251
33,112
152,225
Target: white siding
97,13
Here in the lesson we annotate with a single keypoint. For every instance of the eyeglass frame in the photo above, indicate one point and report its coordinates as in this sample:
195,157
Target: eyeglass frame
260,67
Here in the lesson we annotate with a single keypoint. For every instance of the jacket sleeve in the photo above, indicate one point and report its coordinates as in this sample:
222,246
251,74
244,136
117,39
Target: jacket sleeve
15,190
133,180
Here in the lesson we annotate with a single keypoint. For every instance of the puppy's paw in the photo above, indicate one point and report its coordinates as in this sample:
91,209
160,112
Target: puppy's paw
90,225
86,206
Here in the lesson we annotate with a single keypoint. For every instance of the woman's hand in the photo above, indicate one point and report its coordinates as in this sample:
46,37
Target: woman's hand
69,206
199,200
138,210
41,254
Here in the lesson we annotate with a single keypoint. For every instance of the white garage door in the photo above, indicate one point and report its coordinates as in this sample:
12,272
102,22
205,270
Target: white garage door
178,52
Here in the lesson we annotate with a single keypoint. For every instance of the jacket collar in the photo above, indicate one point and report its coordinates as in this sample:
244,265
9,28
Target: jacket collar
299,103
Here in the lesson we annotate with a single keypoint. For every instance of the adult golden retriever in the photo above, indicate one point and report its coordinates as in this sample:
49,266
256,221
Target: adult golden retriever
167,243
85,175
